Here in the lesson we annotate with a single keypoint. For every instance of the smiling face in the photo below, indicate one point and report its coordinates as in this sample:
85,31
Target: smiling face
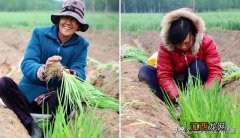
186,44
67,27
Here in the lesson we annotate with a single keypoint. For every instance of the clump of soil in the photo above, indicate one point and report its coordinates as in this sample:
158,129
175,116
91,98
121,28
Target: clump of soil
107,80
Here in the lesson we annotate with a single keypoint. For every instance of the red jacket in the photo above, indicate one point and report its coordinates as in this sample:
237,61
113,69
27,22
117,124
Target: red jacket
173,62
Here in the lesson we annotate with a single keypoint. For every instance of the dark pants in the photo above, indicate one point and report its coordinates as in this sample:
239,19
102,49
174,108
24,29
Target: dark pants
17,102
148,75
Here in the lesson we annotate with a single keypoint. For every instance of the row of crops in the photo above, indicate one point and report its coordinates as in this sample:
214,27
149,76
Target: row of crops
203,112
145,22
130,22
29,20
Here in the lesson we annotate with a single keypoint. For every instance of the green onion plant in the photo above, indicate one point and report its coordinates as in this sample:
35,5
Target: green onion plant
132,53
230,72
199,104
75,91
83,125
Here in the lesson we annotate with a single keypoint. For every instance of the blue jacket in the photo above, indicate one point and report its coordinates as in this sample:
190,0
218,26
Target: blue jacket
44,43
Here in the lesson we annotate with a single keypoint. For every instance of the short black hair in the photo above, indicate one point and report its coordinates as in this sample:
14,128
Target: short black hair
179,30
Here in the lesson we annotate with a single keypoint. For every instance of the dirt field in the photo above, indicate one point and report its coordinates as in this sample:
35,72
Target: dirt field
145,116
103,47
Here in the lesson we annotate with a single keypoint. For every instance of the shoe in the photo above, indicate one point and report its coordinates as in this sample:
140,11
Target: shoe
34,130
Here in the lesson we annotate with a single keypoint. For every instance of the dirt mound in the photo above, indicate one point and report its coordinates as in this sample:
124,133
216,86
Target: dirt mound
110,122
233,88
139,103
103,47
106,79
13,44
228,43
10,127
143,114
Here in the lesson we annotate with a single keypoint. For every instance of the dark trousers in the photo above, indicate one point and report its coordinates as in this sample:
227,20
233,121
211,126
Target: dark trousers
148,75
14,99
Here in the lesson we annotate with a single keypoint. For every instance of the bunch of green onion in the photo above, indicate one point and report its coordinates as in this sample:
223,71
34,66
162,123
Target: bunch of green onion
207,105
86,124
132,53
230,72
76,91
114,66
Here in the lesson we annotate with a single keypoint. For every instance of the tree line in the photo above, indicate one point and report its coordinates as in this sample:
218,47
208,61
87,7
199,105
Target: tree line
28,5
102,5
127,6
141,6
41,5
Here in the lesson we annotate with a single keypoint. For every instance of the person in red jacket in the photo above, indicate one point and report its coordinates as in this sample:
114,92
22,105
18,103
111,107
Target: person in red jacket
185,48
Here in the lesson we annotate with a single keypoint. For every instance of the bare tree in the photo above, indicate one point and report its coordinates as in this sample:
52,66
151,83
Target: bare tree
93,5
106,5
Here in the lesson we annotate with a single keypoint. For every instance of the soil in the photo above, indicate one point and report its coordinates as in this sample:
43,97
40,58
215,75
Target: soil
103,47
139,103
143,115
10,125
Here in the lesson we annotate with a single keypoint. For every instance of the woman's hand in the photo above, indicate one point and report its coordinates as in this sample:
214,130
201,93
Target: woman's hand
70,71
67,70
51,60
54,67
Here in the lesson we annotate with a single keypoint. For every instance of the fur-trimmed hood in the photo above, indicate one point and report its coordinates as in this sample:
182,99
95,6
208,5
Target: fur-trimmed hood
187,13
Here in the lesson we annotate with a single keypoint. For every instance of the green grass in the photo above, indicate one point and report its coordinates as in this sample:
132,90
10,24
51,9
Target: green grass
28,20
140,22
225,20
103,21
143,22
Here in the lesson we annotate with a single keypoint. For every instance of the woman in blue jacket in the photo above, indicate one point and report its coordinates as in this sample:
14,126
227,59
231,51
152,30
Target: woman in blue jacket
48,45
